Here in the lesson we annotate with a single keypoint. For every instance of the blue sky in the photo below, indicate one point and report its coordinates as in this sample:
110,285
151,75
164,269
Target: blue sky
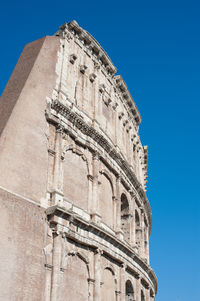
155,46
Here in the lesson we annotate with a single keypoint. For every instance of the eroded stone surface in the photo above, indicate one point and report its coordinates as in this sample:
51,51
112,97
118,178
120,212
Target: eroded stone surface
75,218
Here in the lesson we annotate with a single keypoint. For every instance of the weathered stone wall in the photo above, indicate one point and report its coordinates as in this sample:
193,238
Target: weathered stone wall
23,140
22,231
75,170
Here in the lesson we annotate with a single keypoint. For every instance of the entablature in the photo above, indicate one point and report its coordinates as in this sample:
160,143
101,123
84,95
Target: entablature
100,58
122,87
90,43
59,113
92,235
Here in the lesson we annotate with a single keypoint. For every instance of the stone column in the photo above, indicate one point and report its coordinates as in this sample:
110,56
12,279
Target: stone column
118,295
90,194
147,293
131,222
147,240
95,208
152,296
57,194
122,282
91,289
97,275
138,289
48,263
57,251
114,201
132,225
95,91
142,249
63,66
119,232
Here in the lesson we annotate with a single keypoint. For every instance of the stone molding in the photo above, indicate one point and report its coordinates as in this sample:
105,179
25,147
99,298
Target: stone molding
72,30
59,217
58,109
121,85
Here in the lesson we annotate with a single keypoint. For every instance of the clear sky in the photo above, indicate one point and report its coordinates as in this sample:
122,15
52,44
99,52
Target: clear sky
155,46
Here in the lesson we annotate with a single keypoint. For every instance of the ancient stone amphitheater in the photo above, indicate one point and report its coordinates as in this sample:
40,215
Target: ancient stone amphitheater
75,219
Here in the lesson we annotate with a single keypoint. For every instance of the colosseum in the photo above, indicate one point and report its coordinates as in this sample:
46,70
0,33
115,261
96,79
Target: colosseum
75,219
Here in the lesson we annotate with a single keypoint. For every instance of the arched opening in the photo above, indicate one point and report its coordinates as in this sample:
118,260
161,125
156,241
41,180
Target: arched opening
108,285
125,217
138,230
106,200
146,238
151,295
75,182
142,296
75,280
129,291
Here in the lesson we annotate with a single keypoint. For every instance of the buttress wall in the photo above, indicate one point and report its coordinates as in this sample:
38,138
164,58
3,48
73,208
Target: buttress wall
23,126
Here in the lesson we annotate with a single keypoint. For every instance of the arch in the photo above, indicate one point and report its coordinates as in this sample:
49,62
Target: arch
142,296
75,178
137,219
109,177
105,199
129,291
83,257
75,278
125,217
110,267
151,294
76,150
108,286
129,198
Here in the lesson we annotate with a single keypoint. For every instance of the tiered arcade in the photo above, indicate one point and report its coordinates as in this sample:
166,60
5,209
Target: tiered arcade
80,164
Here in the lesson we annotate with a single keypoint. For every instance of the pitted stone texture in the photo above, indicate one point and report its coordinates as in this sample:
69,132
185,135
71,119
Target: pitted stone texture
75,217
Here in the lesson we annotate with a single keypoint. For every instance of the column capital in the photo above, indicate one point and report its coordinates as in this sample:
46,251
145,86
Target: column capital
90,178
60,128
98,251
96,156
91,280
118,177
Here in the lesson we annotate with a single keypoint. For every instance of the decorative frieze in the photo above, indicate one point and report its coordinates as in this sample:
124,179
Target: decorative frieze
127,98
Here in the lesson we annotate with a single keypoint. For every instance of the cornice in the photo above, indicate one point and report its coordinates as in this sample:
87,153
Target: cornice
122,87
72,30
90,131
88,41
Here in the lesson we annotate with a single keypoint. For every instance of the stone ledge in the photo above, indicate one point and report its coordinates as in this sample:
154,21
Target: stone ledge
52,115
62,217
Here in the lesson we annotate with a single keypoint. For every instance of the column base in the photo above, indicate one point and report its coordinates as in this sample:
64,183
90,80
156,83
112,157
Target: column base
119,234
57,198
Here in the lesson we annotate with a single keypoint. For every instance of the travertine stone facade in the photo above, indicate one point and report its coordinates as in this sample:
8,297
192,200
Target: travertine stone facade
75,218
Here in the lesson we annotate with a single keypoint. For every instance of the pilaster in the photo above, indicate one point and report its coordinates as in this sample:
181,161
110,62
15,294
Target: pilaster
57,251
91,284
138,288
122,282
95,208
119,232
57,194
97,275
